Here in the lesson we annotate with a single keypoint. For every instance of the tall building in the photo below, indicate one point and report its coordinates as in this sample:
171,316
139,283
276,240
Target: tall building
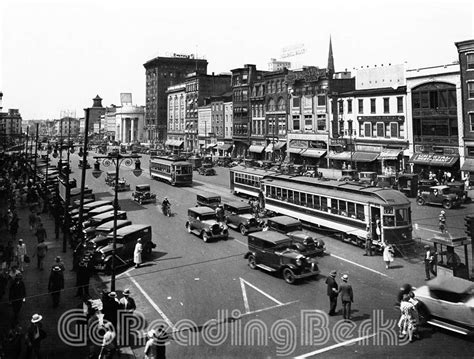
275,65
10,125
176,115
220,118
466,63
96,113
161,73
66,126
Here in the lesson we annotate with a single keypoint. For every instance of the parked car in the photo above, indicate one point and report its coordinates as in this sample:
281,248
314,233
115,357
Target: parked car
99,236
143,194
447,302
206,170
275,252
293,228
98,219
240,216
202,222
196,161
123,186
439,195
459,188
208,200
126,239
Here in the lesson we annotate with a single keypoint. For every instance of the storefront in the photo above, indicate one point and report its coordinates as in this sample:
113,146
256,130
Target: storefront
390,160
256,151
468,171
425,162
224,149
275,151
360,160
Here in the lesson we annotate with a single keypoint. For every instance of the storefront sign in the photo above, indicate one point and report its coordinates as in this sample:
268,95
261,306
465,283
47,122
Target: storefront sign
381,118
258,143
367,148
442,159
317,144
299,144
337,141
311,74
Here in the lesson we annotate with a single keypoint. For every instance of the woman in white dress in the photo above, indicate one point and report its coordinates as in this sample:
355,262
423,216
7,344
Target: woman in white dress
137,254
388,253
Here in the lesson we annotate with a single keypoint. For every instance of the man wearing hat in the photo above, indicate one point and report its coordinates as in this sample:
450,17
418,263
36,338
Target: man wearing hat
58,262
20,254
347,297
56,284
34,335
430,262
127,303
332,291
17,294
111,307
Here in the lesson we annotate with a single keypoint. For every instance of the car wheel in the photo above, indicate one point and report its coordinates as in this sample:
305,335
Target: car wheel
205,237
447,204
243,230
252,262
420,201
289,276
188,227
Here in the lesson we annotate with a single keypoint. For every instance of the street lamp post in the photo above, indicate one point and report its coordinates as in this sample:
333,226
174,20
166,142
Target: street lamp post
116,159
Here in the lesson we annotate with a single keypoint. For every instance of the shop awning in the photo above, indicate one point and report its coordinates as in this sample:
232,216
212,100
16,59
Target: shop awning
339,156
313,152
364,156
177,143
295,150
269,148
224,147
212,145
443,160
279,145
168,142
256,149
421,158
468,165
389,154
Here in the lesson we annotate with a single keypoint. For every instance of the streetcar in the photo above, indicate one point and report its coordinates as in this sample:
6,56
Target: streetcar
346,208
247,180
173,170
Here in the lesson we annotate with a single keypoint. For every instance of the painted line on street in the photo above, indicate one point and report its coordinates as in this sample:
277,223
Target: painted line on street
268,308
152,303
335,346
359,265
244,295
243,281
124,273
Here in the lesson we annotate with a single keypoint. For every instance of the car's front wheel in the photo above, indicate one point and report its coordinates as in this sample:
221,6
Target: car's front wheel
252,262
243,230
420,201
447,204
205,237
188,227
289,276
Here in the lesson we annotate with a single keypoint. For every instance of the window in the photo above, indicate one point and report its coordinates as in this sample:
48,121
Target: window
400,104
360,212
361,105
321,123
296,102
349,106
340,107
281,104
373,109
367,129
394,129
471,122
308,122
321,100
386,105
470,61
380,129
470,90
296,123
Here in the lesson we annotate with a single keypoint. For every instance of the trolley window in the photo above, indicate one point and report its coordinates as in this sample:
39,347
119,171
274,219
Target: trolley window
324,203
351,211
360,212
402,217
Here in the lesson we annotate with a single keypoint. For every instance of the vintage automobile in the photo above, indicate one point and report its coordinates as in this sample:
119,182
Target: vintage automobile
425,184
276,252
293,228
459,188
196,161
122,185
206,170
208,200
240,216
202,222
439,195
143,195
447,302
81,164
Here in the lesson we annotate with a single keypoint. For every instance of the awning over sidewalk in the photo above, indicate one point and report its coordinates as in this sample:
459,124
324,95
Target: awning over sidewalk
177,143
295,150
468,165
339,156
313,153
421,158
433,160
224,147
168,142
269,148
279,145
389,154
256,149
364,156
212,145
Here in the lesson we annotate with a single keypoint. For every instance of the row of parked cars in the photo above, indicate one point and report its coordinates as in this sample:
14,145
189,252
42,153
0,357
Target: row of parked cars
277,244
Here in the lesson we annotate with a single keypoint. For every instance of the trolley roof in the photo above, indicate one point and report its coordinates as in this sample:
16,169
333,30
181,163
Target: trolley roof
252,170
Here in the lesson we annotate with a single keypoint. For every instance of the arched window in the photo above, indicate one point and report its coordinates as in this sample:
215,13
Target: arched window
281,104
271,105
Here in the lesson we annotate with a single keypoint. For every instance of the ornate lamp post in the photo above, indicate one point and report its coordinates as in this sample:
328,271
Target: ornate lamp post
116,159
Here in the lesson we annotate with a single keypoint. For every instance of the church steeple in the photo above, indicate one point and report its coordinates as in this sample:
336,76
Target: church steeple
330,68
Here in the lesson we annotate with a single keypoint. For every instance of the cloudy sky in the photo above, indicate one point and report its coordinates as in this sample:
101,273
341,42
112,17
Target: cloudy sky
56,55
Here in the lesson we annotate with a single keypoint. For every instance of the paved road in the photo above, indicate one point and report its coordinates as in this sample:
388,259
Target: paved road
201,289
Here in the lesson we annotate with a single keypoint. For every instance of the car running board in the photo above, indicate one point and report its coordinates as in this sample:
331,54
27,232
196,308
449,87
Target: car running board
448,326
267,268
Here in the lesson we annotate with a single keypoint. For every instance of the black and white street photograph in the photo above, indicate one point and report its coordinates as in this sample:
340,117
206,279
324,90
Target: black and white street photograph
233,180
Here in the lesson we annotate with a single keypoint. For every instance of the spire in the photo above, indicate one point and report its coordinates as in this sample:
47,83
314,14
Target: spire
330,58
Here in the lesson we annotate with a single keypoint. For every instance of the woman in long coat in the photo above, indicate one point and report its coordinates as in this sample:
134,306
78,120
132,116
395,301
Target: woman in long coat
137,254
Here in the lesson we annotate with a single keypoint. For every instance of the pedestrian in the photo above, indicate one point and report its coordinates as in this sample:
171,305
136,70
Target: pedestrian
332,292
40,233
108,346
56,285
17,295
41,250
9,254
137,253
155,347
111,307
407,318
368,242
32,220
13,343
127,303
83,275
59,262
430,261
34,335
442,221
14,226
21,254
388,254
347,297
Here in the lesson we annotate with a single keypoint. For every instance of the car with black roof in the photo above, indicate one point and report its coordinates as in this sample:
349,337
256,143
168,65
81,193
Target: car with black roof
203,223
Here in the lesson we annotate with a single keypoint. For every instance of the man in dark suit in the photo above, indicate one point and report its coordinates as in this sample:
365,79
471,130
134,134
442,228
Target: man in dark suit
430,262
347,297
332,291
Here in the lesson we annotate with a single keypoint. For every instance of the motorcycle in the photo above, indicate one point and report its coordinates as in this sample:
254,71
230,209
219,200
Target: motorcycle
166,209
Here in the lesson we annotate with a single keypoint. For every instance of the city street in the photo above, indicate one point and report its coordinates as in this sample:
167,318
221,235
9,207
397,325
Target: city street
216,304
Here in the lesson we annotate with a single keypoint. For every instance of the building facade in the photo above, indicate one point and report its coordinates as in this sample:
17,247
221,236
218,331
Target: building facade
161,73
66,126
130,123
206,138
96,113
219,122
10,125
466,63
176,115
434,119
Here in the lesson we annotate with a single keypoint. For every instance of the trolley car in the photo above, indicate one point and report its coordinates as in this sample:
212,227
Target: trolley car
173,170
247,180
346,208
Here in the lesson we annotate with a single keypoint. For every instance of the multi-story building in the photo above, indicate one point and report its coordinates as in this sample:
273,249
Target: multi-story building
206,136
434,118
275,65
10,125
110,123
130,123
66,126
219,113
176,115
308,132
466,62
161,73
199,87
243,80
228,145
95,114
372,121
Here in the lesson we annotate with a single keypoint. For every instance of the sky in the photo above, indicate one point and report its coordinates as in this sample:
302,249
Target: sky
57,55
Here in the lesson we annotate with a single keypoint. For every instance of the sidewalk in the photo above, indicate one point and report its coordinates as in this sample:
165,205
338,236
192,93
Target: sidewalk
38,299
